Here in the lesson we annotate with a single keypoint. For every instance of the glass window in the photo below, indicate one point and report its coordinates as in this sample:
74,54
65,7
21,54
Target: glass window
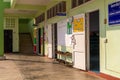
57,8
63,6
80,2
50,13
47,14
87,0
54,11
60,7
74,3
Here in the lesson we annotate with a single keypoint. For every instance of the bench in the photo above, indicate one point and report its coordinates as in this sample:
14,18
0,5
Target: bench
65,55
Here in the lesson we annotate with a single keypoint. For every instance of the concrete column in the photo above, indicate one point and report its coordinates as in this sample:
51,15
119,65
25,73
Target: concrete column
1,29
3,5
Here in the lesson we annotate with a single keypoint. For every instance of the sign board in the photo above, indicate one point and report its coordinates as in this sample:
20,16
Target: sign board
61,14
69,25
114,13
78,23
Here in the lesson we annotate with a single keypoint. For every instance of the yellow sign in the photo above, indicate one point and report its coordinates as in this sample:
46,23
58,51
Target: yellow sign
35,32
78,25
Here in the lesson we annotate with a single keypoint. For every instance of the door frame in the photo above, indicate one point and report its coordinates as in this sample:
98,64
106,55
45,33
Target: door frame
42,45
54,56
87,30
49,48
39,42
43,41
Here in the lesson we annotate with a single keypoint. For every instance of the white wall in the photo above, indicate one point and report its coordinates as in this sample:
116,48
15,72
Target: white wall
49,47
64,39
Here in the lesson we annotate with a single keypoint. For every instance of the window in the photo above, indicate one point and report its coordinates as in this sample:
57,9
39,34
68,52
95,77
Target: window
36,21
87,0
80,2
60,7
48,14
54,11
76,3
40,18
9,22
64,6
57,8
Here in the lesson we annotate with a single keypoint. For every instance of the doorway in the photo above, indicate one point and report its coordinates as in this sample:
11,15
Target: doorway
54,40
42,45
93,37
8,41
39,41
43,41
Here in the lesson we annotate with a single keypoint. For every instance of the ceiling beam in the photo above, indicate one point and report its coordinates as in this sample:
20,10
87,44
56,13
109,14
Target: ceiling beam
20,15
30,7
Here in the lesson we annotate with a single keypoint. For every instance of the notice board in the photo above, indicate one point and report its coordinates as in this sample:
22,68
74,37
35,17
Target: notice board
79,23
114,13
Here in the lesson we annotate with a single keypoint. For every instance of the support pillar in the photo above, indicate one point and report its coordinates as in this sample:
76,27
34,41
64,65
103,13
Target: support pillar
1,30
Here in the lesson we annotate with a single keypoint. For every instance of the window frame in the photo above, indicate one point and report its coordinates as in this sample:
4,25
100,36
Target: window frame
77,3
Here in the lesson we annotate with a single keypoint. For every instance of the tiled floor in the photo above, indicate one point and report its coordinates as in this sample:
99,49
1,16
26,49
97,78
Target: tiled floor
28,67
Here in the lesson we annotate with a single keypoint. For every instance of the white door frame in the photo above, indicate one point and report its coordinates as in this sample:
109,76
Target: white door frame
87,40
49,41
54,41
87,27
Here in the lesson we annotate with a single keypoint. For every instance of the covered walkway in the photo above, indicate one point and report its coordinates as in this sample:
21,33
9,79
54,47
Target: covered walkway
83,33
32,67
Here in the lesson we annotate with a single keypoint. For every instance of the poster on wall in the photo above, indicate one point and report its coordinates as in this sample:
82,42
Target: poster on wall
69,25
114,13
78,23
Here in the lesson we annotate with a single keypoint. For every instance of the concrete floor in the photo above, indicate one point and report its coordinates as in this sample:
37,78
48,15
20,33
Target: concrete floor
31,67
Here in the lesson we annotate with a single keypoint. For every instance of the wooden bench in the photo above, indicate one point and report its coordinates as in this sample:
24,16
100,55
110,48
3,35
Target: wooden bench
65,55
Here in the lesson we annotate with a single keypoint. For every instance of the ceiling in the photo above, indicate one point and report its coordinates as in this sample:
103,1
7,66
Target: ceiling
29,7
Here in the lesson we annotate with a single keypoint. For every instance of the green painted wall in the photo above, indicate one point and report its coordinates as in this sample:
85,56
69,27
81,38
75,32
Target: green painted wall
1,28
23,26
2,6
